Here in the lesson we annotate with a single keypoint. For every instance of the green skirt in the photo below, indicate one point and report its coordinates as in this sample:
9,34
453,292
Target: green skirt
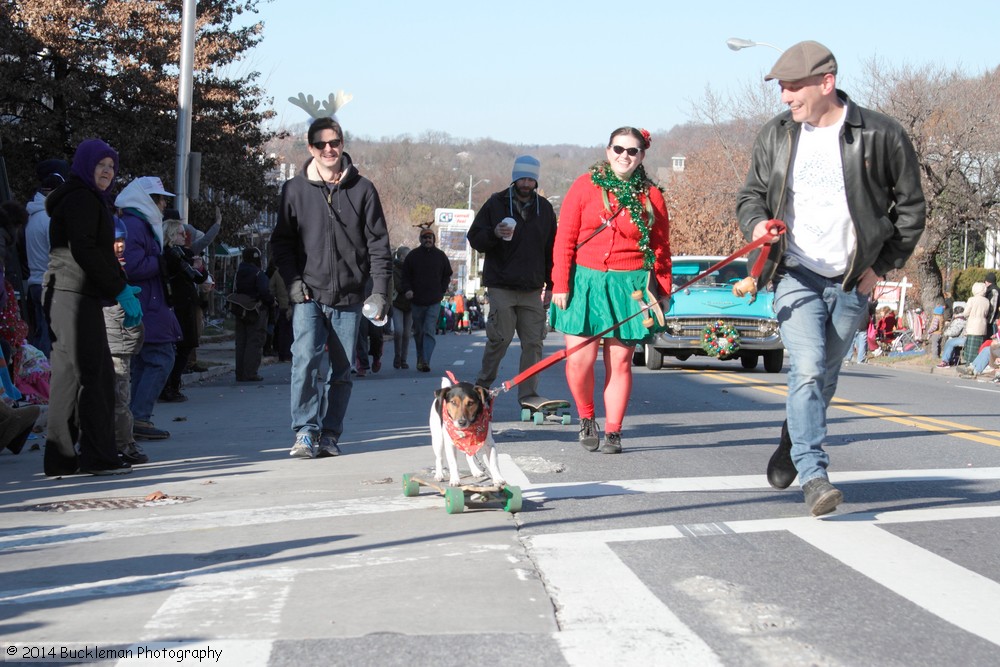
599,300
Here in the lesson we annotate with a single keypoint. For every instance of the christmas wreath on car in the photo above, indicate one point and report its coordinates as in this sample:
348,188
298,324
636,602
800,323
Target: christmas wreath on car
720,340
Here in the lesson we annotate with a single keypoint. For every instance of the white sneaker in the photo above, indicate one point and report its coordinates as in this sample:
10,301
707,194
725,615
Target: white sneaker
303,447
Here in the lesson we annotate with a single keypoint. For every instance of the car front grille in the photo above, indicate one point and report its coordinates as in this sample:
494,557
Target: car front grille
749,328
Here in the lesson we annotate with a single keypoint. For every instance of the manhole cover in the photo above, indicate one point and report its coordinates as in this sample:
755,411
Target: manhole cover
87,504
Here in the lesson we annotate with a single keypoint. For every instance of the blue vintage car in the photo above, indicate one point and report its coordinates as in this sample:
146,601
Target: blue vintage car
751,330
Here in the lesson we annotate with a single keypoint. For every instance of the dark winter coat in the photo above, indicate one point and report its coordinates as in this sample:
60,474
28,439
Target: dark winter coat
333,238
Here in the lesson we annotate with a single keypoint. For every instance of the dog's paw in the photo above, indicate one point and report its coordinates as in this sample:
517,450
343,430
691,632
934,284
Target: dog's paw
438,477
454,481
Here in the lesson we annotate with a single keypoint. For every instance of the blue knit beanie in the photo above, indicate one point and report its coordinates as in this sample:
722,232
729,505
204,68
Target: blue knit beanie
938,310
525,166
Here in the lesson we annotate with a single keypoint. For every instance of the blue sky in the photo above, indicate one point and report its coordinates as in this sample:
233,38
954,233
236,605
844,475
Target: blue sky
570,71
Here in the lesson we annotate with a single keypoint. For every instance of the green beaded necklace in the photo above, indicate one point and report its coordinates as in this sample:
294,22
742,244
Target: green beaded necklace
627,193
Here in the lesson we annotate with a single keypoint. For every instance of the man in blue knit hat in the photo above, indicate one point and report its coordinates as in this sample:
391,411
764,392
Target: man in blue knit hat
515,230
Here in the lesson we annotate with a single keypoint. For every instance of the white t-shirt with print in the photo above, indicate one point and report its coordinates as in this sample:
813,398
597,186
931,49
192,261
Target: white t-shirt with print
820,232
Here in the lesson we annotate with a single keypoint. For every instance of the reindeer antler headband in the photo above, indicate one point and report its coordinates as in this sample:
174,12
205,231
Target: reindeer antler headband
316,109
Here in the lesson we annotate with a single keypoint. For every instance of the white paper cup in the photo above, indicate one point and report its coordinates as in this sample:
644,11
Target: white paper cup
512,223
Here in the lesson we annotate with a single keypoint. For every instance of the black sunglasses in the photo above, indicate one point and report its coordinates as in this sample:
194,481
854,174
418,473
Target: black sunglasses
632,152
333,143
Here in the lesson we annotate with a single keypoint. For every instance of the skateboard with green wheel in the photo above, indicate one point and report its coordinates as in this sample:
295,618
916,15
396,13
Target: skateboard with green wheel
457,498
538,409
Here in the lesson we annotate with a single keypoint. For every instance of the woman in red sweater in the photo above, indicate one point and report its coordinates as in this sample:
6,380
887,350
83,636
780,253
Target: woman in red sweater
613,230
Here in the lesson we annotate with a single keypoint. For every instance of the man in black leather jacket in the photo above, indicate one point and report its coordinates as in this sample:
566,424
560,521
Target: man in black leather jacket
846,182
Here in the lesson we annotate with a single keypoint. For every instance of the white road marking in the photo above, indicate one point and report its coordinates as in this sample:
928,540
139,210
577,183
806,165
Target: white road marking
591,609
618,623
621,487
260,595
137,528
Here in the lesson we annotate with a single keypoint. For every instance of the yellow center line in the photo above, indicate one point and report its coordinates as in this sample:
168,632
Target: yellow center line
954,429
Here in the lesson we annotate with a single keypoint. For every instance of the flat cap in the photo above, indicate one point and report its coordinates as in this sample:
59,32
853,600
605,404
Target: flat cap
802,61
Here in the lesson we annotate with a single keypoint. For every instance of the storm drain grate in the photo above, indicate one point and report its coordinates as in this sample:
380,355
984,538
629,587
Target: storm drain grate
88,504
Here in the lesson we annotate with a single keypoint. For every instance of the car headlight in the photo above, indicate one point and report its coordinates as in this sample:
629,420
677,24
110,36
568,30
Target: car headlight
768,328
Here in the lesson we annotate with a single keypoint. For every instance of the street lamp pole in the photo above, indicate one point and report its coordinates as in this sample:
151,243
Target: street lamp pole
736,43
472,185
184,106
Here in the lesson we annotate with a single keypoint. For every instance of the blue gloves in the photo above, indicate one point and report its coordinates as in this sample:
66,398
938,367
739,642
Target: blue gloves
130,304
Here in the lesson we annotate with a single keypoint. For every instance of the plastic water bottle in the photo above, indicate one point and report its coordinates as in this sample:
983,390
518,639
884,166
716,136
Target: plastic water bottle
370,310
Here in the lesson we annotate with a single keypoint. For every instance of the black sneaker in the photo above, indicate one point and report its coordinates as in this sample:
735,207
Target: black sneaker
327,447
780,469
133,455
172,396
102,470
612,443
590,437
821,496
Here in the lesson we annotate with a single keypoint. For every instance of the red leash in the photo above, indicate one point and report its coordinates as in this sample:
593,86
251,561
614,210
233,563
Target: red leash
775,227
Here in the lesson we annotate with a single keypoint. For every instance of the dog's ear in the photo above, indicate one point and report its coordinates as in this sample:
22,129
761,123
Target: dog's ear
441,393
484,394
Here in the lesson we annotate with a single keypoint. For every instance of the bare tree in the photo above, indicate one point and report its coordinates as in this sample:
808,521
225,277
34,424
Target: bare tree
951,119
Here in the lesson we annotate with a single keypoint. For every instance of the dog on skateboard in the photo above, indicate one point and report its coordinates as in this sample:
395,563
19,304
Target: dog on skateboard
461,418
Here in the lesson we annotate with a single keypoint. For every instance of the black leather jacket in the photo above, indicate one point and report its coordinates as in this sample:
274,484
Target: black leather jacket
881,179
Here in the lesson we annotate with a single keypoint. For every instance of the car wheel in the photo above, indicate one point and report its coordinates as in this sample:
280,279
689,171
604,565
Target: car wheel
774,360
639,356
654,358
749,360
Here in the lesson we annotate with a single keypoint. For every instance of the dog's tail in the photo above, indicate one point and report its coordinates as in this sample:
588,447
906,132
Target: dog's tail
445,383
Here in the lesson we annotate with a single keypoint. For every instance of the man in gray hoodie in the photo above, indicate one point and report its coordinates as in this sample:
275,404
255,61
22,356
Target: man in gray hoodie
51,174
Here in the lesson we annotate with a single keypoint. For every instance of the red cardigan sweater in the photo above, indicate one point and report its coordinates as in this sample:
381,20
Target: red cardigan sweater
615,248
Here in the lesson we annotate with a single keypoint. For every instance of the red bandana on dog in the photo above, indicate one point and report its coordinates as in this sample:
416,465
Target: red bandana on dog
470,440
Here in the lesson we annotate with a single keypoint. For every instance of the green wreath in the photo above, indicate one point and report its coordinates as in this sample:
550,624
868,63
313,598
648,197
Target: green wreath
720,340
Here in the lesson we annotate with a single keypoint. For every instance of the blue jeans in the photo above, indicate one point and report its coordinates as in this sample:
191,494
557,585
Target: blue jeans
981,361
151,367
402,325
950,347
424,325
320,403
860,343
818,321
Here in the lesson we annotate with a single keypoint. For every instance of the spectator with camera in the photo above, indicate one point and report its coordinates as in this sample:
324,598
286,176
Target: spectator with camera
182,290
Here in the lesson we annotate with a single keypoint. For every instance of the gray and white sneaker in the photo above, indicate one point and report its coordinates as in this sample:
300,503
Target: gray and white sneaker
590,435
327,447
303,447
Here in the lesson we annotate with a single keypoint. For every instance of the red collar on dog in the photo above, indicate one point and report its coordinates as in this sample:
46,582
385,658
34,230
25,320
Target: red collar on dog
470,440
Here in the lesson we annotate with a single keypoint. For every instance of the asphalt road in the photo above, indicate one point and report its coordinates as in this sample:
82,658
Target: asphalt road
675,552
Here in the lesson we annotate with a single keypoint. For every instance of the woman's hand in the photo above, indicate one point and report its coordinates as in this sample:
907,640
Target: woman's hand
561,300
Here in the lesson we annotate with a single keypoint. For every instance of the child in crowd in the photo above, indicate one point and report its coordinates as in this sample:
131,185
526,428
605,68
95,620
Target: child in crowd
124,342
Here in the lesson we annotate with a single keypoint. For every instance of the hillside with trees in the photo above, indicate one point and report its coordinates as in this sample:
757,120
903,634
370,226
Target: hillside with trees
71,70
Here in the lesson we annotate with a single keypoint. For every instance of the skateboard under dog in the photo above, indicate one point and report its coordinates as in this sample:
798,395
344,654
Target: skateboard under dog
538,409
456,498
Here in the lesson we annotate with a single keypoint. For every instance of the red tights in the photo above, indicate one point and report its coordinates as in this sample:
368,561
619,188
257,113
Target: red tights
617,382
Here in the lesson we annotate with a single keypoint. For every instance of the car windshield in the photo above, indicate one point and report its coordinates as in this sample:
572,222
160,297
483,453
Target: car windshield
684,270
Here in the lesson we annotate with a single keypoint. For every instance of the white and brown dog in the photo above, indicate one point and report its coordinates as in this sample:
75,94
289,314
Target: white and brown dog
461,418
